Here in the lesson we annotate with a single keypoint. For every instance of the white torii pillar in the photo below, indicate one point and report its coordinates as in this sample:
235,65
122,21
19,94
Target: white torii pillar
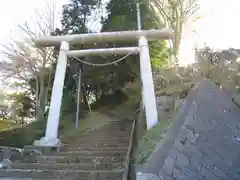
51,133
142,36
148,93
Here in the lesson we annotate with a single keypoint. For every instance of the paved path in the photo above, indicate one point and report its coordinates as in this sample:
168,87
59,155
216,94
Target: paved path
204,140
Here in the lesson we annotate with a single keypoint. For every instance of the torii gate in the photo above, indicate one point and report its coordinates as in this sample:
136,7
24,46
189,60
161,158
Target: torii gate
142,36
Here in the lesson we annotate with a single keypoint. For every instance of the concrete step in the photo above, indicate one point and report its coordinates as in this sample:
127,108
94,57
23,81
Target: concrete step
107,134
82,147
40,149
107,137
72,166
75,159
62,174
93,149
102,140
104,135
116,126
95,153
82,159
99,146
114,129
121,123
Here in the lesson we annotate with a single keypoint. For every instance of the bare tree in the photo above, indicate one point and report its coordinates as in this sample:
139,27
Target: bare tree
174,14
24,61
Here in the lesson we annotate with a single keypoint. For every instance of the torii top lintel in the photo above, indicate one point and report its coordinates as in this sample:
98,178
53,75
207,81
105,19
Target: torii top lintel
153,34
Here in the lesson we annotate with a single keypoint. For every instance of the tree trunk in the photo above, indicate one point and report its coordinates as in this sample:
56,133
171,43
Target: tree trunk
84,97
37,93
42,96
22,121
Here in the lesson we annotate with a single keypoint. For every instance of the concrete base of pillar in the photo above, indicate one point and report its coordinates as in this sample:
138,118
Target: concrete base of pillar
48,142
146,176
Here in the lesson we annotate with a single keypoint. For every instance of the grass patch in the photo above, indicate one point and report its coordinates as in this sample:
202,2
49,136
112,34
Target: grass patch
18,137
148,142
175,90
4,124
91,121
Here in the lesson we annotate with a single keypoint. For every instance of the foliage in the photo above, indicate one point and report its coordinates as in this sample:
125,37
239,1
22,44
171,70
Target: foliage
75,14
174,14
224,73
22,106
91,121
159,54
34,67
148,142
123,16
5,125
24,62
18,137
133,91
100,82
177,81
4,110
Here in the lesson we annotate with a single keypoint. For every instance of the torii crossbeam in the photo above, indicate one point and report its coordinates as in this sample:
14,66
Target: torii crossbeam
142,36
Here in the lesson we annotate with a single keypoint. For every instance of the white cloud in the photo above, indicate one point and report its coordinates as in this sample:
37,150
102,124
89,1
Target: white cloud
15,12
219,28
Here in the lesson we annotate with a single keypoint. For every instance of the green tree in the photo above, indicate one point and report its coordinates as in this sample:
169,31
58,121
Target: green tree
100,82
75,14
123,16
22,106
75,17
4,107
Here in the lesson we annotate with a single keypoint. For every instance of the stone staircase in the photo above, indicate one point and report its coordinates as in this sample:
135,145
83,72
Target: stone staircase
101,154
